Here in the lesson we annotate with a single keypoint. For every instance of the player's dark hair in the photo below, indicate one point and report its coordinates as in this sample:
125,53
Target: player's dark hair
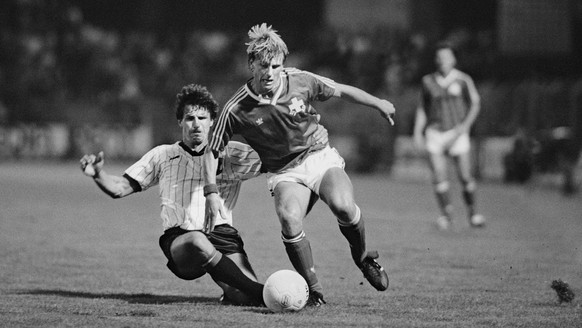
445,45
197,95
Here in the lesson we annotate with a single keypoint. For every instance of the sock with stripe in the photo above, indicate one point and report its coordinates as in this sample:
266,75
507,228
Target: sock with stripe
443,198
299,251
355,234
223,269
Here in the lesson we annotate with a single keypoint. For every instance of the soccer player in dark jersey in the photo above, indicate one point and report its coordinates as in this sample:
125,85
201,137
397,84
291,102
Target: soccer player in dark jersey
574,144
177,169
448,106
274,112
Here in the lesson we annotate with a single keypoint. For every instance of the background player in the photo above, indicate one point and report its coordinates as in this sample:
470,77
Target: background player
273,112
449,104
177,169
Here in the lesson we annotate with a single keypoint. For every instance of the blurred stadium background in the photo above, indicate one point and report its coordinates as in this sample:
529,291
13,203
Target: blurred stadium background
80,76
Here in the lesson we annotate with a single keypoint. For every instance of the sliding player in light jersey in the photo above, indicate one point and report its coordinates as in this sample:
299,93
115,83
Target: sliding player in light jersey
448,106
273,112
177,169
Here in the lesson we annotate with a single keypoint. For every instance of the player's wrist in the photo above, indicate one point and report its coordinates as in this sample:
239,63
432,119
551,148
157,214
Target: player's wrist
96,174
211,188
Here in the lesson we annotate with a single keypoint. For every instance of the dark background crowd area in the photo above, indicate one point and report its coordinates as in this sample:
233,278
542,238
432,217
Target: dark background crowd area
83,62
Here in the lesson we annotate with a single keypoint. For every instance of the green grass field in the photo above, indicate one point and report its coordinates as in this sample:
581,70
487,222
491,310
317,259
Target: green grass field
73,257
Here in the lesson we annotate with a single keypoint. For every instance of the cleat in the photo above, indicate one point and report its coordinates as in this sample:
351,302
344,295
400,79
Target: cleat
477,221
315,299
443,223
241,300
224,300
374,272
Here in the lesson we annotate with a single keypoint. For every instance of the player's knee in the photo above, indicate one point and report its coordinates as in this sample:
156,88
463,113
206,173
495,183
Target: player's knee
193,247
469,185
291,221
290,215
442,186
342,205
344,212
291,228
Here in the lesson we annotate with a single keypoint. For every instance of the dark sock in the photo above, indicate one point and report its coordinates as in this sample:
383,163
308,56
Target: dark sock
356,236
223,269
444,202
469,197
299,251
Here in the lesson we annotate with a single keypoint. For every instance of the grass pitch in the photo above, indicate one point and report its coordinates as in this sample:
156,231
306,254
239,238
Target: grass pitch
73,257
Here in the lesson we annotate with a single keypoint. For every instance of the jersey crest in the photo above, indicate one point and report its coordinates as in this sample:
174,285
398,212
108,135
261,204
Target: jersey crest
455,89
297,105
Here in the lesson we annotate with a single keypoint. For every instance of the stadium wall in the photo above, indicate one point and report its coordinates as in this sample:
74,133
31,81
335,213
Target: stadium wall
30,141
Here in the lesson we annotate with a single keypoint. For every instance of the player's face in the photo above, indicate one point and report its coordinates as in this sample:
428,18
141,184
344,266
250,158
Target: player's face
445,60
195,125
267,74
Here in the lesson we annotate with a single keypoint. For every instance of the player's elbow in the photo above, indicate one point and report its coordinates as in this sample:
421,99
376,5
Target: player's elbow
116,196
476,101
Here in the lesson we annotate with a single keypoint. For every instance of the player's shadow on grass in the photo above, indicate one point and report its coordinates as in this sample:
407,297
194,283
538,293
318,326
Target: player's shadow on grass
142,298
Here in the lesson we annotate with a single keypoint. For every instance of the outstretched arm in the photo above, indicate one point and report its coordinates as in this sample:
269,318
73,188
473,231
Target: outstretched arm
112,185
359,96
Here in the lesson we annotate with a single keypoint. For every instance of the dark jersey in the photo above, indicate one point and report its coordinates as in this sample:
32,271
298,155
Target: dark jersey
446,100
281,128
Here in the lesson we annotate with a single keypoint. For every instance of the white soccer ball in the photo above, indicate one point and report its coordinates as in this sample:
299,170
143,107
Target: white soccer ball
285,291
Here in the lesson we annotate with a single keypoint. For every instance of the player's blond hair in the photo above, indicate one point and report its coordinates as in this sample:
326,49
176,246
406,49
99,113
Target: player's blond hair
265,44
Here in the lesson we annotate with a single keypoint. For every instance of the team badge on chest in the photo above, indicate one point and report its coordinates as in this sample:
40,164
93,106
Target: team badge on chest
296,106
454,89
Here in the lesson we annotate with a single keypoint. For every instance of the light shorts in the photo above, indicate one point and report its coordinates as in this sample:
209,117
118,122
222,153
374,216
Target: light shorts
437,142
309,172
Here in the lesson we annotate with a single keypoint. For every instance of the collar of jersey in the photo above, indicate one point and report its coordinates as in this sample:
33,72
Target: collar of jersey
267,101
190,150
447,80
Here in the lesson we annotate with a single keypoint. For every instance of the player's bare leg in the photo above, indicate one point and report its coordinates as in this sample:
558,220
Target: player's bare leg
336,191
438,166
291,203
463,164
567,165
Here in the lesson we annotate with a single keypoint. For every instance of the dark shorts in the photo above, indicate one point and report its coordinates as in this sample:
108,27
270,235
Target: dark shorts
225,239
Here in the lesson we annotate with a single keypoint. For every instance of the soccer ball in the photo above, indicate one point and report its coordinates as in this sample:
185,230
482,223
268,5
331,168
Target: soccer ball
285,291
